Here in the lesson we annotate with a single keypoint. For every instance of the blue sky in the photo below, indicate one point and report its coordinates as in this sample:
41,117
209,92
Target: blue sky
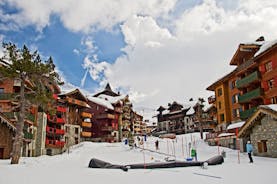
157,51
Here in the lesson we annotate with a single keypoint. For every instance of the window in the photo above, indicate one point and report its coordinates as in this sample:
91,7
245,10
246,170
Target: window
262,147
268,66
219,105
235,98
76,140
236,113
76,130
219,92
270,83
274,100
233,84
221,117
1,90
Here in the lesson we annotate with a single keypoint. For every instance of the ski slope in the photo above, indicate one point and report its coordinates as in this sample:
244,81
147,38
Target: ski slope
72,167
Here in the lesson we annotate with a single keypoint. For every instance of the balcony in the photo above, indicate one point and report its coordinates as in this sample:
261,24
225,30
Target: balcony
11,116
54,143
61,109
60,120
86,124
247,113
59,131
28,135
56,131
247,97
248,79
107,128
6,96
55,119
86,115
106,116
86,134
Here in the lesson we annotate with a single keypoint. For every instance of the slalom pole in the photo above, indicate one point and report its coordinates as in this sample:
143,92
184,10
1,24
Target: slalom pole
143,155
238,146
167,147
173,148
217,140
183,154
186,147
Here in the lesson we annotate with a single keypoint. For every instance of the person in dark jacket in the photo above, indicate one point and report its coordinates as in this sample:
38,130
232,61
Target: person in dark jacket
249,150
157,144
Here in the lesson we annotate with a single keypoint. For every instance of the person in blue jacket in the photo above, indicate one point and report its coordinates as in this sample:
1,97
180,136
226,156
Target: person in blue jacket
249,150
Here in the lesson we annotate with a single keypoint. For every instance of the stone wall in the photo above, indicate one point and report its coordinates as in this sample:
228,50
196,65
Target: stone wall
266,130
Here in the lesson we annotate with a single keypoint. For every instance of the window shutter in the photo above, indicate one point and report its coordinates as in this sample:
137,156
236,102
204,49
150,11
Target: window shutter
262,69
275,81
274,62
267,101
265,85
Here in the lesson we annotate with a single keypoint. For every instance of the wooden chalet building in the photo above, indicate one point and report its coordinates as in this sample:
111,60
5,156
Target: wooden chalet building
252,83
78,126
113,119
171,120
9,90
7,133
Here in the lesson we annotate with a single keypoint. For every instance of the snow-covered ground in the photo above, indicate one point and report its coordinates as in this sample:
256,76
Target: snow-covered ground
72,168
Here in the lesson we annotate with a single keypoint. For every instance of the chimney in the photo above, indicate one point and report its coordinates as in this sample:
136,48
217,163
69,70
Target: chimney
261,38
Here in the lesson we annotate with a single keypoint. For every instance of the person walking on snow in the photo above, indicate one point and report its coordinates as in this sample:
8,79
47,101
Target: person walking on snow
157,144
249,150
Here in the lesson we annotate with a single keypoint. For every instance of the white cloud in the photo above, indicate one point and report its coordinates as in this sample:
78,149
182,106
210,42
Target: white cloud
76,51
162,63
85,15
160,66
1,48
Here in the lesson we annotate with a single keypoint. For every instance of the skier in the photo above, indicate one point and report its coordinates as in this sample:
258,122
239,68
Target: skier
157,144
249,149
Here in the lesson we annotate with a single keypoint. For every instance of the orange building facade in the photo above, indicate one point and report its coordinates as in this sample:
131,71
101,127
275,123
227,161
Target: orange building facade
252,83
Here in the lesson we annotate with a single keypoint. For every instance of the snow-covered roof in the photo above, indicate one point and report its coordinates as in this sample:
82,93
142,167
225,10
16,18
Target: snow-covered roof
235,125
254,43
102,102
111,99
270,106
225,134
265,47
190,111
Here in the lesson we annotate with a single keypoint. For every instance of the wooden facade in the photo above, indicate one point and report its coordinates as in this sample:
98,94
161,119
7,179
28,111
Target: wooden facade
9,90
171,119
7,132
252,83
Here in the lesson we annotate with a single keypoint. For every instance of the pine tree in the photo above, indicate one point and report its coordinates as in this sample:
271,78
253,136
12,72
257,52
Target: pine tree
26,66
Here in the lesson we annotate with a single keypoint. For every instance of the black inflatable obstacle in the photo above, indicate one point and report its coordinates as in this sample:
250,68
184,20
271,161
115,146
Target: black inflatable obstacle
95,163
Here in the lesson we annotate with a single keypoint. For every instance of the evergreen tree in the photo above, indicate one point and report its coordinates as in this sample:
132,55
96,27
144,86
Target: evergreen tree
26,66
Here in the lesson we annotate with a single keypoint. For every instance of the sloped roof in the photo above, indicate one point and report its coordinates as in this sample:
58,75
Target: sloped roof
251,122
102,102
235,125
5,120
74,92
107,91
266,46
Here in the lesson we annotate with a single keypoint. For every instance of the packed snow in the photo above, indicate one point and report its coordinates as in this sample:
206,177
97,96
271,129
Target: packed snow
72,167
236,125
